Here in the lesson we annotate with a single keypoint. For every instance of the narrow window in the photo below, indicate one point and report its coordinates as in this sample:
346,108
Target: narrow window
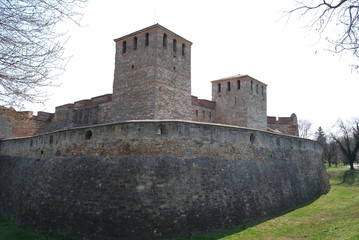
204,114
219,87
147,40
251,85
262,90
124,47
228,86
252,138
196,113
183,48
165,40
134,43
174,45
257,88
210,115
238,84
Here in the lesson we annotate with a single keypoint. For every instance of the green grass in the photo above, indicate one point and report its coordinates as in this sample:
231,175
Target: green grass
10,231
340,166
333,168
332,216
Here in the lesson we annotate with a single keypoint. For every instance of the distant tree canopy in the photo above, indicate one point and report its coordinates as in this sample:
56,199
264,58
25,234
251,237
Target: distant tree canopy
31,50
339,17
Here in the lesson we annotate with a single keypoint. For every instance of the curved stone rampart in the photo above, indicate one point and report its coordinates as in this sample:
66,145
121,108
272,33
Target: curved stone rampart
184,139
154,179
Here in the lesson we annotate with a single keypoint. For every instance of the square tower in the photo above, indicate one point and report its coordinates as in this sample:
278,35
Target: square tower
240,100
152,78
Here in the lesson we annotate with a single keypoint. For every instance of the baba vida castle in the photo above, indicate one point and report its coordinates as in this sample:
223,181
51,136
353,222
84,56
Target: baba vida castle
151,161
152,80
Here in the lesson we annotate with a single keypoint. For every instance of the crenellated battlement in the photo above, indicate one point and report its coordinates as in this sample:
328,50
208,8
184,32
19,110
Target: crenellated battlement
287,125
86,103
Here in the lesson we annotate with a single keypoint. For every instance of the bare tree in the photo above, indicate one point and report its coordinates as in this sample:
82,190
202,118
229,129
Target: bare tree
348,139
304,127
330,151
31,49
339,17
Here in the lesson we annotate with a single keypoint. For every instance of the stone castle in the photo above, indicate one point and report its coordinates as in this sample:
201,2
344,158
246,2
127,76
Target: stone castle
150,161
152,80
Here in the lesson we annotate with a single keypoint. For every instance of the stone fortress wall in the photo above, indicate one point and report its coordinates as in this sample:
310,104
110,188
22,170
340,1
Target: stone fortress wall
155,179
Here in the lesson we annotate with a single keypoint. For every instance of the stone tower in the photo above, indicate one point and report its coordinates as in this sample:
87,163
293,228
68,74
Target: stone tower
152,78
240,100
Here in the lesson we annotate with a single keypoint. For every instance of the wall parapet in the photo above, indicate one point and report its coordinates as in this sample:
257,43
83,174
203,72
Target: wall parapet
86,102
185,139
203,103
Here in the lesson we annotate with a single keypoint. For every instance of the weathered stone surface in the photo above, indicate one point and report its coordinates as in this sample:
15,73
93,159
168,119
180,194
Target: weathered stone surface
287,125
6,128
171,138
154,179
203,110
241,101
152,81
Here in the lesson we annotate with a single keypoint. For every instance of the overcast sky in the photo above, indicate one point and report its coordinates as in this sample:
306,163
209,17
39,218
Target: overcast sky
229,38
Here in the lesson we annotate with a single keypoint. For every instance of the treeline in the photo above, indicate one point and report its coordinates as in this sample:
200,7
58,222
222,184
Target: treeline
340,144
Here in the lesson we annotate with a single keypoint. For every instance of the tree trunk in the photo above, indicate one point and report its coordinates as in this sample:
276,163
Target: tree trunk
351,163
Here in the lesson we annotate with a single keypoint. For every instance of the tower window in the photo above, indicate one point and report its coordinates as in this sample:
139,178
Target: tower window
238,84
174,45
124,47
165,40
183,48
134,43
147,40
196,113
257,88
262,90
204,114
251,85
219,87
228,86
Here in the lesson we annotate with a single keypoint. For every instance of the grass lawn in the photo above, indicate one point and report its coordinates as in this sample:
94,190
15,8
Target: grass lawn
10,231
332,216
